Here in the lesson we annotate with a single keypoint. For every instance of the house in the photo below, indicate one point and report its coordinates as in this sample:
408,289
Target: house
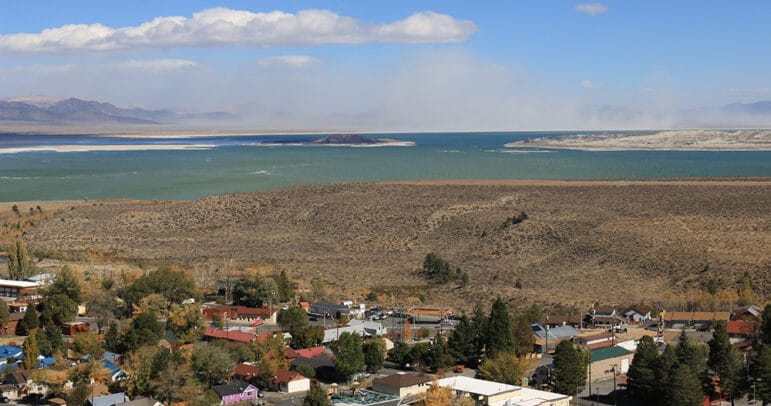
115,372
604,316
75,327
236,392
598,340
291,382
693,319
604,362
750,312
321,362
498,394
108,400
740,330
141,401
364,328
637,314
19,289
237,336
13,322
328,310
555,335
402,384
266,315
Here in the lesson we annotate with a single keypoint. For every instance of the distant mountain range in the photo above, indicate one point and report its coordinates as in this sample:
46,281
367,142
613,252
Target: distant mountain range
39,109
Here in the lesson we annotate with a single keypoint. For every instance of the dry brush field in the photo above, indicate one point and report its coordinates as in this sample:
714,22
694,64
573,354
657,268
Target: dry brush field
582,241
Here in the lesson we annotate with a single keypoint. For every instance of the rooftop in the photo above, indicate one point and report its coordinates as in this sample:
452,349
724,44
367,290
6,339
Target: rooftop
231,388
608,352
402,380
18,284
366,398
476,386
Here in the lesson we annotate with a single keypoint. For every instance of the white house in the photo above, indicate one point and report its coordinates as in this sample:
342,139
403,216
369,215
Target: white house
499,394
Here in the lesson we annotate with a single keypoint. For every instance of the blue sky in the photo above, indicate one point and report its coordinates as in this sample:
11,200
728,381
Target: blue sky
397,64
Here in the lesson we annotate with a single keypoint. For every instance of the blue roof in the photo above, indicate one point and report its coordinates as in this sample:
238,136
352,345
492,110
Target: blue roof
8,351
555,333
47,361
110,356
115,372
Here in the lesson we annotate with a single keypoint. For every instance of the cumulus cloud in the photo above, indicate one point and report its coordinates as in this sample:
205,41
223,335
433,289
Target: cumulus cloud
219,27
587,84
591,9
292,61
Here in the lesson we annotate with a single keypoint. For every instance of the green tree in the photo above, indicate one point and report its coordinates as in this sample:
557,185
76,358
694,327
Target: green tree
5,313
316,396
724,360
171,385
569,369
212,365
283,286
762,373
683,387
479,322
254,291
308,337
31,351
174,285
292,320
524,339
349,355
217,321
374,354
462,343
29,322
49,340
145,329
691,354
764,333
185,321
18,259
437,268
400,354
666,365
87,343
642,372
504,367
67,284
57,310
438,355
499,338
112,339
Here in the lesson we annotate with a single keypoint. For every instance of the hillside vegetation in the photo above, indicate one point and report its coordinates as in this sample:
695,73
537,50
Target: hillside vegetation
613,242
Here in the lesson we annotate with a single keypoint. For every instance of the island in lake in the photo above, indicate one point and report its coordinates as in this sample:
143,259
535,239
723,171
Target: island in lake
675,140
342,140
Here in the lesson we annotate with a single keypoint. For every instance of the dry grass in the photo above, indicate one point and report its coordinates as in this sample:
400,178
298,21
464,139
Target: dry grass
583,241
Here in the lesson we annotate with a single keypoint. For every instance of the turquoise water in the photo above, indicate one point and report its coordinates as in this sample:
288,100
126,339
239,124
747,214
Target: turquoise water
232,166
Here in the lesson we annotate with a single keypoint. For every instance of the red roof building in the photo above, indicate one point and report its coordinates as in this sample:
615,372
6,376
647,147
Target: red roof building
238,336
740,328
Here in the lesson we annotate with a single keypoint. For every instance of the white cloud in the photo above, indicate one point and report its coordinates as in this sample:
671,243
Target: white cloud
158,66
591,9
293,61
587,84
219,27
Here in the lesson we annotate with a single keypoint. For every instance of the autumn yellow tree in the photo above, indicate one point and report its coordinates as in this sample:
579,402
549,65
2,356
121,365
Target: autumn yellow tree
504,367
406,331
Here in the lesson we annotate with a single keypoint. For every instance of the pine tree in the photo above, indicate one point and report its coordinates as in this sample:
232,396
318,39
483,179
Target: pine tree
18,260
724,360
642,373
283,286
66,283
524,339
31,352
479,322
499,338
29,322
683,388
765,326
4,314
569,369
112,339
762,373
690,354
462,344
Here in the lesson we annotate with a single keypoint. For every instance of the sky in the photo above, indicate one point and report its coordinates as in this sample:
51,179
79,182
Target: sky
395,65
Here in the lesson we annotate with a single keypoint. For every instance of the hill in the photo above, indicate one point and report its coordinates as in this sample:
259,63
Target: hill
581,241
41,109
